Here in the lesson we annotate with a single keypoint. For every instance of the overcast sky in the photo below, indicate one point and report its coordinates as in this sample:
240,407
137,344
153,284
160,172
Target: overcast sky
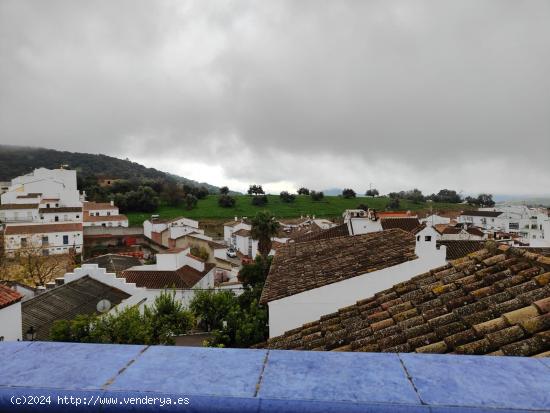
400,94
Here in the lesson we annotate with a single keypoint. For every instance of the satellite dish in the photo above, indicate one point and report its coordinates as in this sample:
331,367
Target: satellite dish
103,306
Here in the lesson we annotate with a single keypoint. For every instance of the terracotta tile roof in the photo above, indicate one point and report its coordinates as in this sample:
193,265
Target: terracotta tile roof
490,302
460,248
419,228
93,218
303,266
211,243
60,209
242,233
394,214
475,231
447,229
42,228
538,250
30,195
233,223
18,206
65,303
174,250
337,231
183,278
488,214
8,296
114,263
92,206
406,224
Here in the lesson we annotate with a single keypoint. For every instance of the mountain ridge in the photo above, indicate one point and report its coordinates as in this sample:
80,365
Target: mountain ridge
20,160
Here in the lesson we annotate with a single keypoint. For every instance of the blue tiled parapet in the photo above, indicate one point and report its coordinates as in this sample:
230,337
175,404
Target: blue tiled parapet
143,379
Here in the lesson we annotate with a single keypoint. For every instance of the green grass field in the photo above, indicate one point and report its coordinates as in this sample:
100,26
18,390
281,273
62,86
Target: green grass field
329,207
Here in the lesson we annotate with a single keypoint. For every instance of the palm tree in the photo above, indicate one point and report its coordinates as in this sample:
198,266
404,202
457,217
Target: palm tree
264,227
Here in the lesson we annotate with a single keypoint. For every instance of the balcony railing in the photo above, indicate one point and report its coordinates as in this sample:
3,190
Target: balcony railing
140,378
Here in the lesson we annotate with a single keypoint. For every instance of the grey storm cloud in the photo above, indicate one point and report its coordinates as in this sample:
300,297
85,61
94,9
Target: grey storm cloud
325,93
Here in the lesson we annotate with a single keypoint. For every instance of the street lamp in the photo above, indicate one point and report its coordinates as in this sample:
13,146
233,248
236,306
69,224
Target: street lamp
30,335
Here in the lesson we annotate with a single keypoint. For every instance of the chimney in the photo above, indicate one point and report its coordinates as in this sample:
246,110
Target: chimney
112,203
236,218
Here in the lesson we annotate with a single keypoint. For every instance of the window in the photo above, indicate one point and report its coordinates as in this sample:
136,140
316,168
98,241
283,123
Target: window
23,242
65,239
65,217
78,216
418,237
513,225
56,219
428,238
45,240
108,213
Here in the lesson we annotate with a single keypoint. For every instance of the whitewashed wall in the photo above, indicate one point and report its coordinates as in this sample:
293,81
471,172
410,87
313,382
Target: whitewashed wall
11,323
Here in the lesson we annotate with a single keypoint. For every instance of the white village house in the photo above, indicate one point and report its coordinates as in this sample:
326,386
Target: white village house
103,214
43,213
310,279
164,231
531,225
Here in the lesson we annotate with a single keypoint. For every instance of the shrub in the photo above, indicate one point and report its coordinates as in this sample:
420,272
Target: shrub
287,197
316,196
259,200
348,193
226,201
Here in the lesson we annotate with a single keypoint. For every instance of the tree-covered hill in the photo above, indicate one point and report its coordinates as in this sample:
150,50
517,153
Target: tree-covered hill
18,160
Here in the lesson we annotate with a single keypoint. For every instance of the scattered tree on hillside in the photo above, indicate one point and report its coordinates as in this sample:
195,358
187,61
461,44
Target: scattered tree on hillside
303,191
259,200
393,203
482,200
348,193
414,195
372,192
287,197
446,195
142,200
255,190
316,196
200,192
362,206
190,201
226,201
172,194
224,190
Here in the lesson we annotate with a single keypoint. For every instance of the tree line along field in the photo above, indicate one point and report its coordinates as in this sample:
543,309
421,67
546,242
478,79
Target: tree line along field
328,207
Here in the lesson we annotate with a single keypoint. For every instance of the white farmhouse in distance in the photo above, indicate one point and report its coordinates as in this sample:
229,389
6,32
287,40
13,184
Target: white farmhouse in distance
166,231
103,214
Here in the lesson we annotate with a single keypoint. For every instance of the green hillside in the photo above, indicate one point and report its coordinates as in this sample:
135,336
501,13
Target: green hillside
329,207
